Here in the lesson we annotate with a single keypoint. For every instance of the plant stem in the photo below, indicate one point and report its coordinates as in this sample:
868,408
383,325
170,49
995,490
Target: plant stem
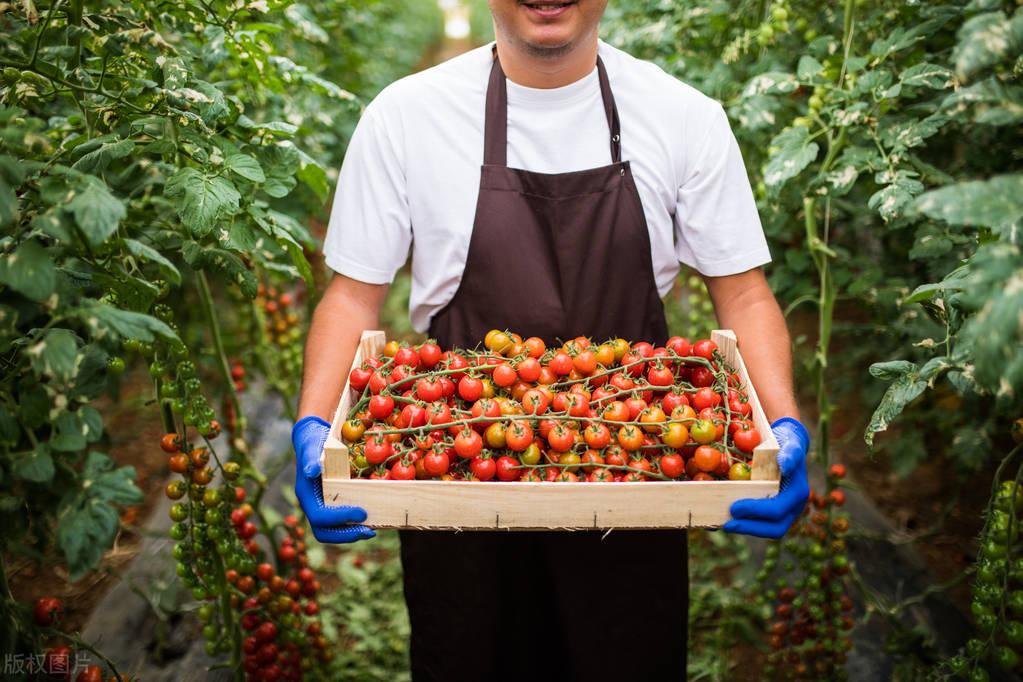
206,299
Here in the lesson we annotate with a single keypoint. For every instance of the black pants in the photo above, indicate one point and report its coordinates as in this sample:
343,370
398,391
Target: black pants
502,605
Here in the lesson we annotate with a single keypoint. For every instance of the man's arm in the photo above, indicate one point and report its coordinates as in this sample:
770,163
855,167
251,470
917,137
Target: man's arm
347,308
745,304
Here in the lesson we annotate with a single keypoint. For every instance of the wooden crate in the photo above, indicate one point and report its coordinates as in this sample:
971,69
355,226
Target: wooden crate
494,505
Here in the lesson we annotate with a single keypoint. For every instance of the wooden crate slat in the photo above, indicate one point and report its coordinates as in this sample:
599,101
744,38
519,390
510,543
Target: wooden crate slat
335,452
765,455
469,505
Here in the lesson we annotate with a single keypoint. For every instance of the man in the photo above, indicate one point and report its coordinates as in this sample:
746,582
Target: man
550,186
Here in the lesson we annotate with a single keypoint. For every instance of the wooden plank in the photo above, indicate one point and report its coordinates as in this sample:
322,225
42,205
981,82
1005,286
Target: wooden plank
524,506
335,452
765,456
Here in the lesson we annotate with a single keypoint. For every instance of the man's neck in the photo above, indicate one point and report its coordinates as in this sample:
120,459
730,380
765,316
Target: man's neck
527,70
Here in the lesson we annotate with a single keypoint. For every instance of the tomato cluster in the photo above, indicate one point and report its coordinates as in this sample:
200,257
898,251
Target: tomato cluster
281,326
812,616
517,410
220,560
997,605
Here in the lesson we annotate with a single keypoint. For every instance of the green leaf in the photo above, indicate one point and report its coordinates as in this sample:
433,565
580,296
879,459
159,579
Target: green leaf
36,466
990,203
10,430
201,199
224,262
905,388
30,271
892,200
245,166
298,259
175,73
103,318
144,251
770,83
98,159
794,152
906,135
71,433
954,281
985,40
55,355
87,520
96,210
808,68
926,75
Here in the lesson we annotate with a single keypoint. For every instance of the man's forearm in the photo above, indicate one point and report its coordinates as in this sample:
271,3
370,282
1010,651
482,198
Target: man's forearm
346,309
746,305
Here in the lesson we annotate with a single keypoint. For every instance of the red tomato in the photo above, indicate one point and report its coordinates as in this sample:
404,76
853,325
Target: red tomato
429,389
485,407
400,376
456,362
381,406
739,404
407,357
470,389
707,458
438,413
659,375
412,416
403,471
632,363
436,463
706,397
535,402
597,436
48,611
506,469
529,370
585,362
636,406
377,450
591,457
672,465
630,438
616,411
504,376
448,385
519,435
704,348
747,439
484,469
377,382
468,443
429,355
679,345
561,438
535,346
359,378
561,363
672,400
614,456
600,476
701,376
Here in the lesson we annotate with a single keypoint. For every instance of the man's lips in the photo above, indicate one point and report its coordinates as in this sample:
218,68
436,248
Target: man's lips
547,10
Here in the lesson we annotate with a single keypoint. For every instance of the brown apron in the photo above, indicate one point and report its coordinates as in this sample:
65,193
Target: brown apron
555,256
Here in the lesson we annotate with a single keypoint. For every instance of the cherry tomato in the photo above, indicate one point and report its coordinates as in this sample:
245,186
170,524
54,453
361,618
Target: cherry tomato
468,443
659,375
504,376
704,348
436,463
585,362
630,438
438,414
597,436
519,435
652,419
678,345
352,430
170,442
429,389
746,439
707,458
506,469
381,406
561,438
403,471
701,377
483,468
92,673
616,411
359,378
48,611
672,465
470,389
706,397
739,471
703,431
496,435
429,355
675,435
377,450
407,357
535,402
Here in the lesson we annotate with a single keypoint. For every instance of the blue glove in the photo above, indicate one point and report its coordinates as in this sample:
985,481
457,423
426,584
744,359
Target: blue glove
329,524
772,517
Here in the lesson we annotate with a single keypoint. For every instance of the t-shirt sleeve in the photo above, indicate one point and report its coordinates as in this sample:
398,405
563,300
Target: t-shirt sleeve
717,227
369,232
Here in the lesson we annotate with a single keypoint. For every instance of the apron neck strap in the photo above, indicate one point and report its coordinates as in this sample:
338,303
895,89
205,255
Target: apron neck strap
495,126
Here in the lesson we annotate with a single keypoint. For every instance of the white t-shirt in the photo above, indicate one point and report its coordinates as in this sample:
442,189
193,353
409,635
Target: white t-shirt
410,177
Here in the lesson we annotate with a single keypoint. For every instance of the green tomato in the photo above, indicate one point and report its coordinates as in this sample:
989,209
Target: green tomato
1014,632
178,512
1006,657
199,593
179,531
206,612
115,364
779,13
1015,602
